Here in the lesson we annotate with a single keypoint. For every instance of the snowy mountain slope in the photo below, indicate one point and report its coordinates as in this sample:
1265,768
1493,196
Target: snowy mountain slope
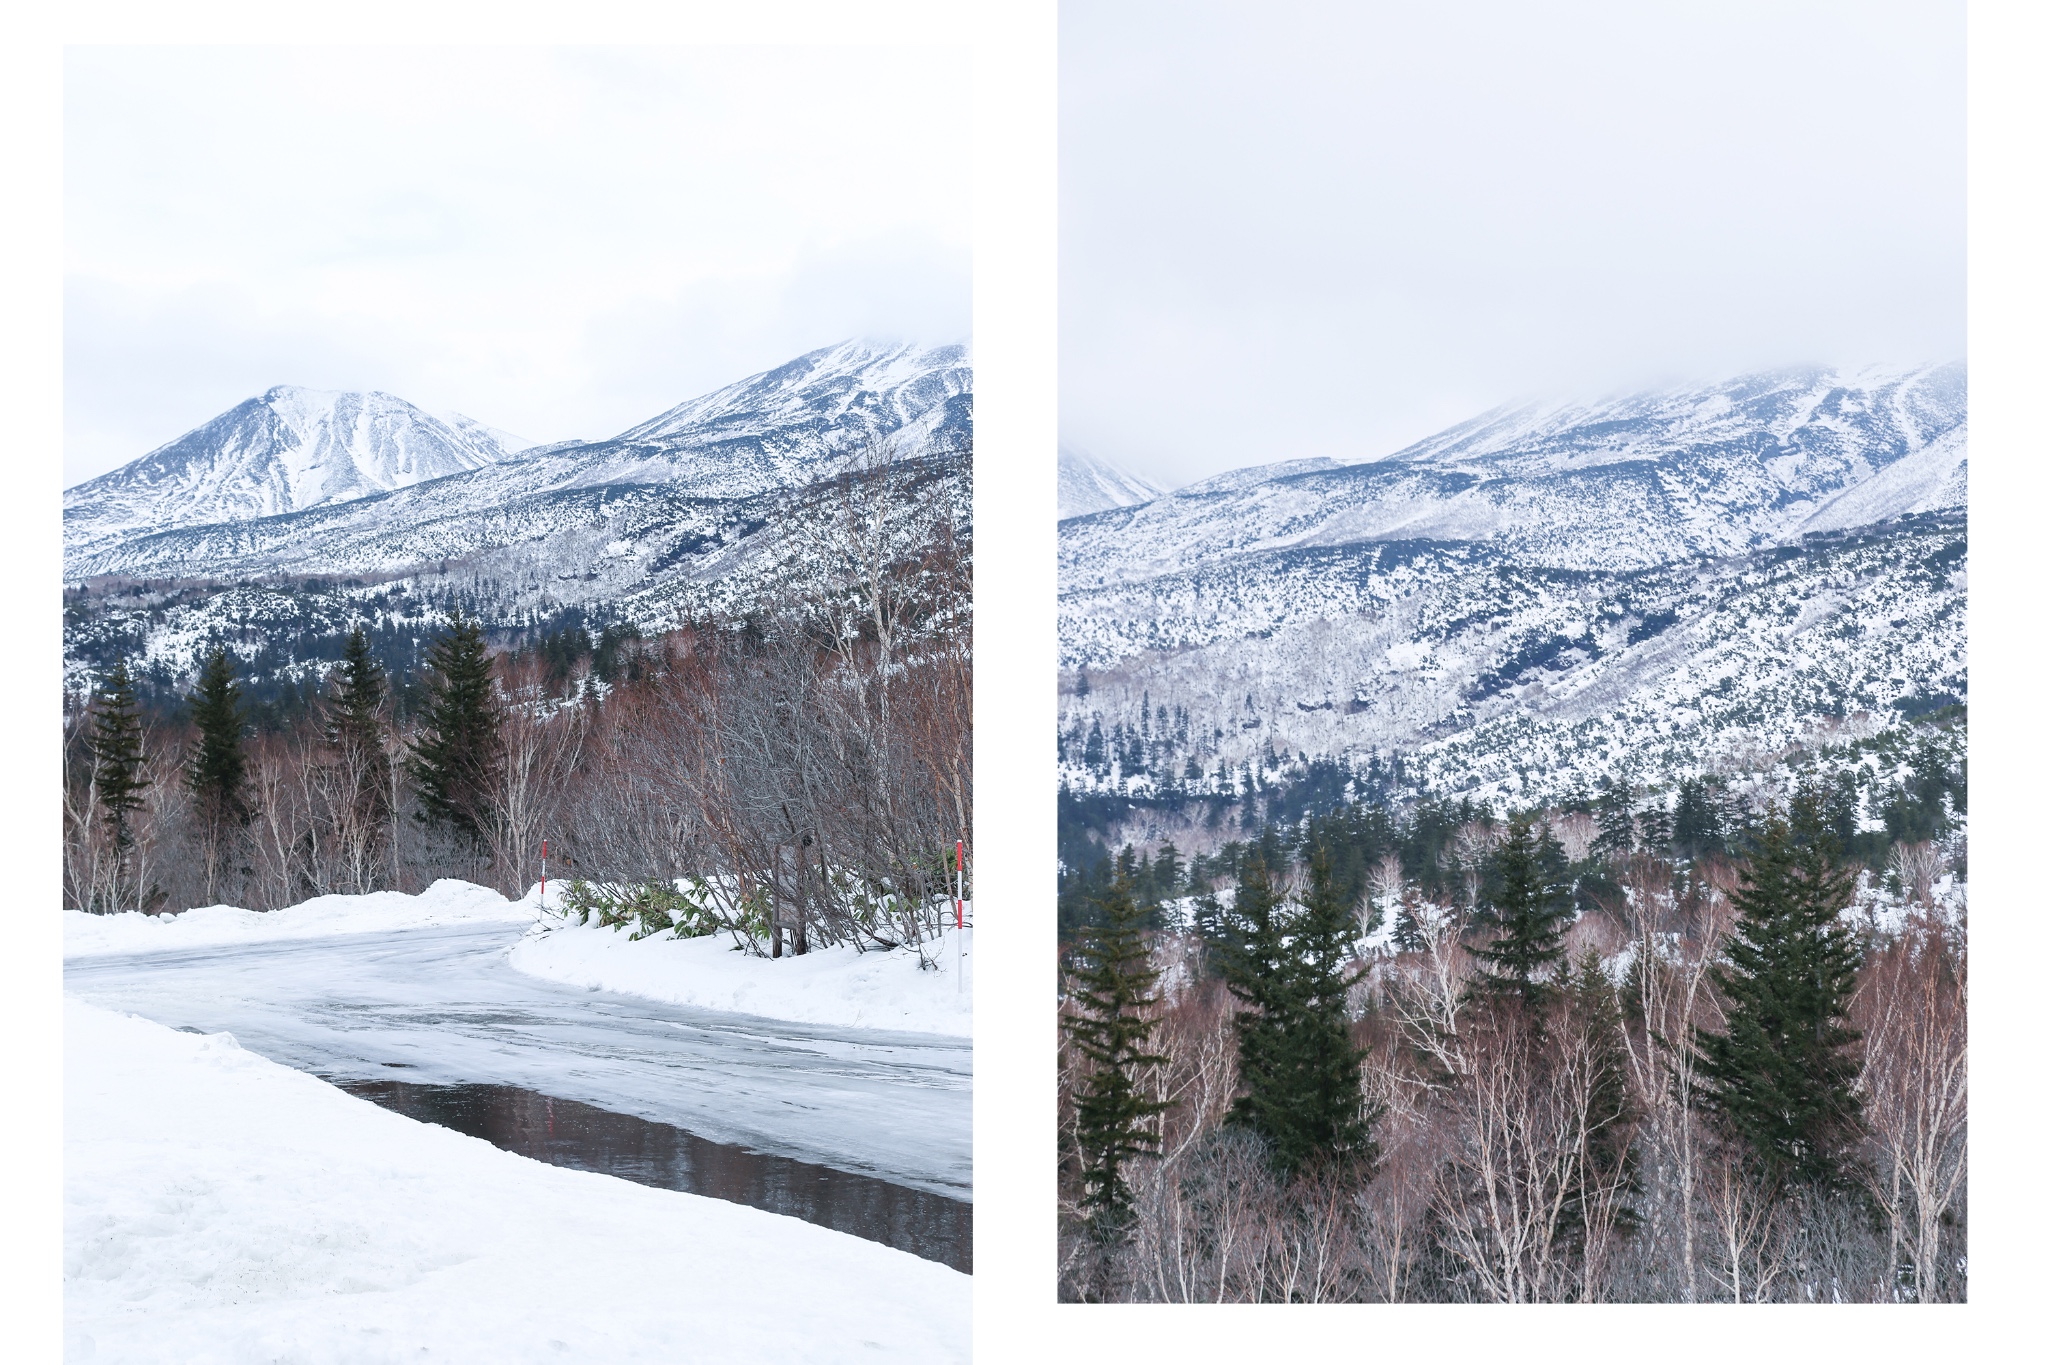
505,440
285,451
777,430
1715,469
1088,484
646,555
1543,595
781,429
1498,678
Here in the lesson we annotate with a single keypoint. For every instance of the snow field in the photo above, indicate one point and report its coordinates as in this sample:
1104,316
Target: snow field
222,1208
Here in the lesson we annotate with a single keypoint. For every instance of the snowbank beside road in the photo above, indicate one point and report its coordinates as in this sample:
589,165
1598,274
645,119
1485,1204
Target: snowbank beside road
835,986
220,1207
445,902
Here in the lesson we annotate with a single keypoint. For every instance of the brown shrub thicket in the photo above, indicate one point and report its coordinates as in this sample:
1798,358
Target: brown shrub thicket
806,769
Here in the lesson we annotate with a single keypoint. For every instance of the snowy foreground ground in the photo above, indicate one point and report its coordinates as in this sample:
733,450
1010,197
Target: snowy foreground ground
220,1207
834,986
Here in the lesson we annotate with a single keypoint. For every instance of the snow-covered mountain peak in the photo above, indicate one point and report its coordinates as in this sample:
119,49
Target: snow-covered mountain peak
1623,483
285,451
306,476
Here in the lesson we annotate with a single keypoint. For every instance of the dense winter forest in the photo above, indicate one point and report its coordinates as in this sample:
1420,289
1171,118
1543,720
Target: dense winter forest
794,774
1683,1045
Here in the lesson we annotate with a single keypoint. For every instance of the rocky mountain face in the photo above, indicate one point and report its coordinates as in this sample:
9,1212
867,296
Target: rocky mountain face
1539,597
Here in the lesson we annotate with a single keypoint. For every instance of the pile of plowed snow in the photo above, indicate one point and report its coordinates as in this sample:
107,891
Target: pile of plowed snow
445,902
835,986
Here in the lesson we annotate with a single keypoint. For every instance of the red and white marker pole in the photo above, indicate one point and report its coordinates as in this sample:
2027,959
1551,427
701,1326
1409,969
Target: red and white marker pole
543,869
959,912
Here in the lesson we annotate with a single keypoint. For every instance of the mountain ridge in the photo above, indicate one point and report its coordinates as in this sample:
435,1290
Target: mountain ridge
779,429
1709,469
1537,598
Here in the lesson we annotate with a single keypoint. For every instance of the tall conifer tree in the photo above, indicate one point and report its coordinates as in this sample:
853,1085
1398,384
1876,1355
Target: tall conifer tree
459,754
1251,953
1327,1118
219,767
1113,985
355,735
1781,1075
117,754
1588,999
355,723
1299,1069
1615,814
1532,906
358,696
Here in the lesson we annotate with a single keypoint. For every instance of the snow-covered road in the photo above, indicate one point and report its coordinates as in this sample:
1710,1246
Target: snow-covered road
441,1005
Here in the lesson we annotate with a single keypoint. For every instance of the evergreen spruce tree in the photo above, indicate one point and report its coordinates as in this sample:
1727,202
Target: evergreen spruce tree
218,767
1328,1118
355,710
1781,1076
1615,815
1298,1067
1696,823
1531,906
459,755
1251,955
355,739
1655,823
117,754
1113,986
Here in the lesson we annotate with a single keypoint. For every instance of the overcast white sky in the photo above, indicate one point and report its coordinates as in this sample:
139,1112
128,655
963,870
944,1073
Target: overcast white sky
1291,230
558,242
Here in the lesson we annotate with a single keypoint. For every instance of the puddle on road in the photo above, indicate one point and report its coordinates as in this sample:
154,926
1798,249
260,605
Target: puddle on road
586,1138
